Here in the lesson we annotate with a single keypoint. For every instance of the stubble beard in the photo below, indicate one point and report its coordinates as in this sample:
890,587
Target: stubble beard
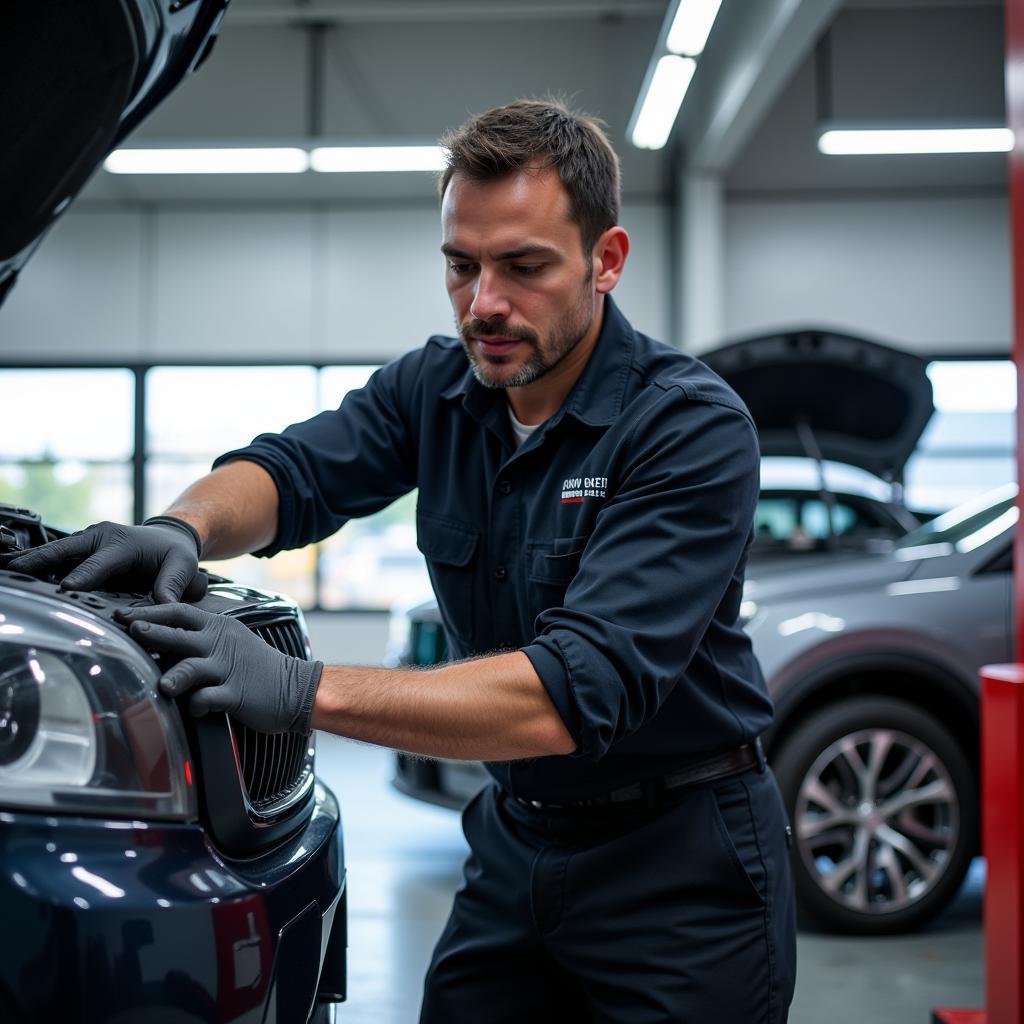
570,330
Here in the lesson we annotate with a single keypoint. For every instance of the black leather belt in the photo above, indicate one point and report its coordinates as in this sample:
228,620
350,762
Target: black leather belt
652,793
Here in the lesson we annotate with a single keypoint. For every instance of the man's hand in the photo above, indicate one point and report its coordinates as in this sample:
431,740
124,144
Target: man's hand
163,554
230,668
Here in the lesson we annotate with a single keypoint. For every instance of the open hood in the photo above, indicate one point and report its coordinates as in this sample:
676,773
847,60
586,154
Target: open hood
76,76
830,396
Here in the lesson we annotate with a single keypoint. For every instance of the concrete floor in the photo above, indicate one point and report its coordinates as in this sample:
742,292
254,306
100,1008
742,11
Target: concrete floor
404,862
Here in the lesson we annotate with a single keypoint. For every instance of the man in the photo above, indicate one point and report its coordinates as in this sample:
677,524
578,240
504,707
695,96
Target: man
586,497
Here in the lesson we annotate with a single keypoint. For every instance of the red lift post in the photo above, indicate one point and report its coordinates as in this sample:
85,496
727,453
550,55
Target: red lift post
1002,775
1002,686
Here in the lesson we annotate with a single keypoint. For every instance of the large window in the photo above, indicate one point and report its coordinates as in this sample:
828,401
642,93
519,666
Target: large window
70,452
195,413
68,443
968,446
85,444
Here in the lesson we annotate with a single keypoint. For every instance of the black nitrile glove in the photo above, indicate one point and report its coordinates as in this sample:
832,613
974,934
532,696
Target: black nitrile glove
230,668
163,554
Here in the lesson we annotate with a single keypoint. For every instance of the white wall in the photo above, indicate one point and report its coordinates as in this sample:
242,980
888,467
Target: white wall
928,273
295,282
335,282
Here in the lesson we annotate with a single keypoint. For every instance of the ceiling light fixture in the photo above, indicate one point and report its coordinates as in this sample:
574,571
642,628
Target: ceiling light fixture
275,160
652,124
266,160
691,26
684,33
894,141
376,159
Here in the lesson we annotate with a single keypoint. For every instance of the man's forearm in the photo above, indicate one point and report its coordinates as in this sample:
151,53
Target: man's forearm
490,709
234,508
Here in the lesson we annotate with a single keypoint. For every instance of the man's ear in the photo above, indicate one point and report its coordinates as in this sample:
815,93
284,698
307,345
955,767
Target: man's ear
609,255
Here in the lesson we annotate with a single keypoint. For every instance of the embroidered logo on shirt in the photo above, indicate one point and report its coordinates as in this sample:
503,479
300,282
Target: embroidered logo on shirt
575,489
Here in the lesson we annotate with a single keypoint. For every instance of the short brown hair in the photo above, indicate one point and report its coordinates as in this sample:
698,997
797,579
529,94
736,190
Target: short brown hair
542,133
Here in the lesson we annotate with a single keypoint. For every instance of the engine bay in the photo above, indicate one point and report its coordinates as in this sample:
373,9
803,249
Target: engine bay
21,529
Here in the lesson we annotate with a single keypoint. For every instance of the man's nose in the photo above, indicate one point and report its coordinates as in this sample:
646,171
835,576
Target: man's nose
489,299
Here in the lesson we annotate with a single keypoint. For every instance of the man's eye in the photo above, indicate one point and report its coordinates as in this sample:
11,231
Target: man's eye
460,268
527,269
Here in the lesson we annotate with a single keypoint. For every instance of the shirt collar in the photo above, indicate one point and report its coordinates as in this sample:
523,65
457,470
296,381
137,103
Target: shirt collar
596,397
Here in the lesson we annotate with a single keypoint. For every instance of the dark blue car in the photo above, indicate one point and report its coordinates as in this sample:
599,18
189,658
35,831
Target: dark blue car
153,866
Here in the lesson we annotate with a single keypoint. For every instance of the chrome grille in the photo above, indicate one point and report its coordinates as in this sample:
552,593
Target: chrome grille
274,766
283,635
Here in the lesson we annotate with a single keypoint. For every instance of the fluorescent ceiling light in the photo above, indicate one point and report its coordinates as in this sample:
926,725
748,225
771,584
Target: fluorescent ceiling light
356,159
275,160
866,142
691,26
278,160
661,103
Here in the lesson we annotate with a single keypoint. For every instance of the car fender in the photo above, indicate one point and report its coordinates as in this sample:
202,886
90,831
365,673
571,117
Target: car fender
832,665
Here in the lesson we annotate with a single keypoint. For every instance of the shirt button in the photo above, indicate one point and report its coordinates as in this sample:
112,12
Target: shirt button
501,573
504,487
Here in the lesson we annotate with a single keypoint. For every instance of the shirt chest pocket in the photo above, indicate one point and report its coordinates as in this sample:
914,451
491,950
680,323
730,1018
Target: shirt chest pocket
450,548
551,565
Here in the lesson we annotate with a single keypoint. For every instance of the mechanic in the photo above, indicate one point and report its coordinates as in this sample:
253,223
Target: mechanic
586,498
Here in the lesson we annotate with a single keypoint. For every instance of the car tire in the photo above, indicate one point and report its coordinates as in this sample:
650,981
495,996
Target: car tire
868,858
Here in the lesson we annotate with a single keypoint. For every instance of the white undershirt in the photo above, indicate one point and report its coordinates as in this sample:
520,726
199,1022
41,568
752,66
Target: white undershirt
521,430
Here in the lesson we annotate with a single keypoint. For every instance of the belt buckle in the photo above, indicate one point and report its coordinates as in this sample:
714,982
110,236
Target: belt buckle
762,762
543,805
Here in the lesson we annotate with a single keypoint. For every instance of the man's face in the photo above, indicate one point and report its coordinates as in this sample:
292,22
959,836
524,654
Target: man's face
520,286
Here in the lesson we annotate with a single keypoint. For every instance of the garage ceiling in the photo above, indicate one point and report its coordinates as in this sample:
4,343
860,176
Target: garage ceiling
404,70
921,63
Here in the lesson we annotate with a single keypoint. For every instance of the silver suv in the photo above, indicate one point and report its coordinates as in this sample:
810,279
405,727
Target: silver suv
873,664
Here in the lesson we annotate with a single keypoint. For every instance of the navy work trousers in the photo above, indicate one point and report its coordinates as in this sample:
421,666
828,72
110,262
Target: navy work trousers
681,914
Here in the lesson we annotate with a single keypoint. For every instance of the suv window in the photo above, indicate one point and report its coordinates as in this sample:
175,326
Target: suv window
799,518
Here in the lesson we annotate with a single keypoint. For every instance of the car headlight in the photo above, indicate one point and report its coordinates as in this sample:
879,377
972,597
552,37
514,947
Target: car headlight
46,730
82,728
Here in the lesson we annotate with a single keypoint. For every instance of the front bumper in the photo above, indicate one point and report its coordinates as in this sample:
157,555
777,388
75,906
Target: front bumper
110,922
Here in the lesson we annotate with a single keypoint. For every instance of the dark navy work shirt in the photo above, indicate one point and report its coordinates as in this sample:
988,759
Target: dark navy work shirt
609,547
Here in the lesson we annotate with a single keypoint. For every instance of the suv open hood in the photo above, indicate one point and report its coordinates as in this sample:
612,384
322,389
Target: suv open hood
75,78
834,396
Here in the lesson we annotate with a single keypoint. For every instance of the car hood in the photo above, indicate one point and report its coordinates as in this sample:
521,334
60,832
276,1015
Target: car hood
834,396
75,79
839,575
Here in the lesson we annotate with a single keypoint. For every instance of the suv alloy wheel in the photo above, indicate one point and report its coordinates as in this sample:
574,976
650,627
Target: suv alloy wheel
884,811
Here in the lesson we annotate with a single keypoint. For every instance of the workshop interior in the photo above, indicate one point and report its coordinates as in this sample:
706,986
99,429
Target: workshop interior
219,218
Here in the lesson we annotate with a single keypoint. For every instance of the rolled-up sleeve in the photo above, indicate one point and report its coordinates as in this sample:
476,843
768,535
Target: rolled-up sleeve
655,571
348,462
